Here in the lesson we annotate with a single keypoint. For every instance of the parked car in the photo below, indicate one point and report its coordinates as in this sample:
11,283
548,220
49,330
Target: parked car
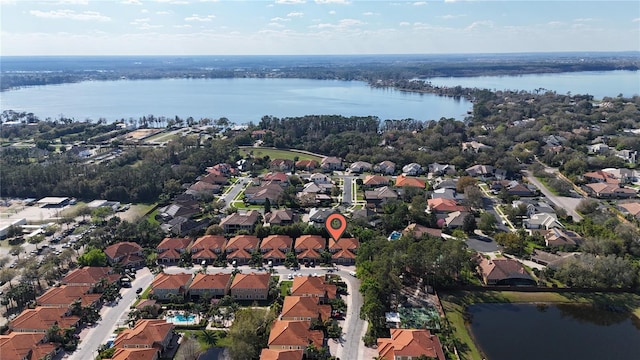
138,290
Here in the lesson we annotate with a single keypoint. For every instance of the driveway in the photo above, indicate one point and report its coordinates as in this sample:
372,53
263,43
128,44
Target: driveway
91,338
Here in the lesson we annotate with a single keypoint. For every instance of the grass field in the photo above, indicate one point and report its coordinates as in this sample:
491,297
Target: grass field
455,303
278,154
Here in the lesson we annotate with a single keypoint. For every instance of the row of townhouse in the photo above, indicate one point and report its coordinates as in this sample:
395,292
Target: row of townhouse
274,248
169,287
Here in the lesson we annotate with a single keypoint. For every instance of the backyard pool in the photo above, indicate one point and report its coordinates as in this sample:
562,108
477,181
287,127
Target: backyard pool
181,319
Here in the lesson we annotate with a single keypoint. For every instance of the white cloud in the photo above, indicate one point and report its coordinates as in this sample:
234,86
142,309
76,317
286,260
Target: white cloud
196,17
290,2
131,2
583,20
404,23
280,19
419,3
139,21
72,2
332,12
163,12
185,26
555,23
342,2
70,14
636,20
451,16
295,14
175,2
480,24
342,24
275,25
368,13
144,11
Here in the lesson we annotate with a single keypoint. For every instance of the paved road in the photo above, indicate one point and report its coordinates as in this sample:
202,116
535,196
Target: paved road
353,327
235,189
567,203
482,244
347,190
92,338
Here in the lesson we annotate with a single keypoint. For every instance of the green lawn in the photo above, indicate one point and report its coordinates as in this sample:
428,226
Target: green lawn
285,286
278,154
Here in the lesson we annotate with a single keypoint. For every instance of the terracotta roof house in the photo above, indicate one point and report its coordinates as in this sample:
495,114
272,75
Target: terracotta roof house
270,354
294,335
402,180
604,190
146,334
135,354
281,164
127,254
443,206
170,249
215,179
259,194
504,272
410,344
41,319
309,247
307,165
313,286
631,208
600,176
64,295
372,181
89,276
566,239
304,308
331,163
360,167
379,196
412,169
26,346
280,217
252,286
207,248
274,248
239,248
344,251
418,231
167,286
279,178
385,167
209,285
240,221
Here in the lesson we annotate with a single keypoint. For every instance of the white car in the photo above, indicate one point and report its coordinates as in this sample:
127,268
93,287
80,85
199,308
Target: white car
290,276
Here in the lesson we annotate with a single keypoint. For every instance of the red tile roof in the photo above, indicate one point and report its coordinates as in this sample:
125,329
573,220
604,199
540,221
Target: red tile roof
89,276
65,295
42,318
146,333
410,343
444,205
174,243
276,242
271,354
375,180
304,307
170,281
19,345
212,242
312,286
122,249
344,244
251,281
403,180
602,176
204,254
247,242
275,176
305,242
135,354
294,333
210,281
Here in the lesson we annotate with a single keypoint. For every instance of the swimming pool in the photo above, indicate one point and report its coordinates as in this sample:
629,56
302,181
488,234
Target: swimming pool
181,319
395,235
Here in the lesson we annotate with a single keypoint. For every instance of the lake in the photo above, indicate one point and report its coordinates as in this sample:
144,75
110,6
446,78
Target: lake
240,100
596,83
554,332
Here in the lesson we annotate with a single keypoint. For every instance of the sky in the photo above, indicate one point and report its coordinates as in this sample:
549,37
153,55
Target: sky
310,27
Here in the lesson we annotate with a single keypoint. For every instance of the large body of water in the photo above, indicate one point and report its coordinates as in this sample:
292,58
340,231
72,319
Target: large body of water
597,83
240,100
248,100
554,332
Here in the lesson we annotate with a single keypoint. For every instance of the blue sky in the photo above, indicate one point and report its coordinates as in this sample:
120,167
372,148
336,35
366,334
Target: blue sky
219,27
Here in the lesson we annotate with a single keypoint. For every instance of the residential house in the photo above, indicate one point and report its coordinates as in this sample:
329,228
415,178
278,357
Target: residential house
308,165
443,206
517,189
89,276
280,217
402,181
208,248
26,346
360,167
317,217
454,220
631,208
274,248
203,189
252,286
598,149
127,254
320,179
41,319
311,187
331,163
410,344
445,184
304,308
239,248
448,194
607,191
260,134
600,177
374,181
623,175
561,238
168,287
135,354
309,247
215,178
377,197
344,251
186,210
629,156
64,295
474,146
313,286
385,167
545,221
484,172
259,194
146,334
209,286
412,169
551,260
418,231
294,335
281,354
436,169
279,178
240,221
284,165
181,226
170,249
504,272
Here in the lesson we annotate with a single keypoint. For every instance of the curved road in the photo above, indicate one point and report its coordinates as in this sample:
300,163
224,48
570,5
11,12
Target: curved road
567,203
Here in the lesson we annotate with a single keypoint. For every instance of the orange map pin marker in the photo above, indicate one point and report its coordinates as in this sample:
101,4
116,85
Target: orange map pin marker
336,224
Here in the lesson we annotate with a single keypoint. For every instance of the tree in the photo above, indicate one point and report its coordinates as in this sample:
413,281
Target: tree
249,333
464,182
487,223
512,243
93,257
469,223
473,197
267,206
